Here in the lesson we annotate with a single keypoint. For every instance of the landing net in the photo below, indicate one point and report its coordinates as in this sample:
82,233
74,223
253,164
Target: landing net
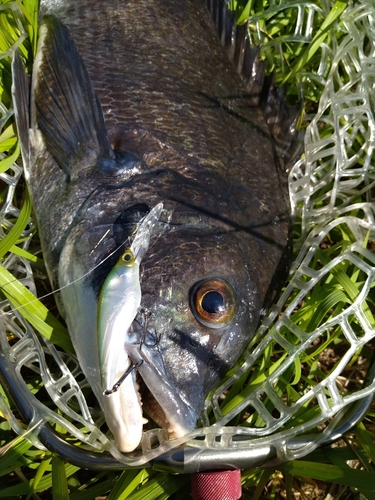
308,362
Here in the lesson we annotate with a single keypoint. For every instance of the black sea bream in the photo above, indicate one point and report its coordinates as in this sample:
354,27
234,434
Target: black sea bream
134,104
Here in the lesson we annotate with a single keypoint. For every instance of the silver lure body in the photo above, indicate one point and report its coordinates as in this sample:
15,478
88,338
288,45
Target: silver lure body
119,302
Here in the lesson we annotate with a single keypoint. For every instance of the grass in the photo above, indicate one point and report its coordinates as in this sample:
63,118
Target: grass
346,471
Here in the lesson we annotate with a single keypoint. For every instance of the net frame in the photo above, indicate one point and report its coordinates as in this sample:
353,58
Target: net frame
334,179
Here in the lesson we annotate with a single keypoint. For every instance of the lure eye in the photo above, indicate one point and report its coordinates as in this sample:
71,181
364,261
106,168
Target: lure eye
128,257
213,302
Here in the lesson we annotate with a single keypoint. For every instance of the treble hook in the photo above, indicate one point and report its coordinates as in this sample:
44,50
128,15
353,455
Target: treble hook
115,388
146,315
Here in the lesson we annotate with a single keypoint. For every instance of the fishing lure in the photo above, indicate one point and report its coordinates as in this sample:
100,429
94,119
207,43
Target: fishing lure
119,301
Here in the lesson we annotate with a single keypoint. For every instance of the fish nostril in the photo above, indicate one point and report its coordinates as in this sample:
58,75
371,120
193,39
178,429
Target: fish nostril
214,364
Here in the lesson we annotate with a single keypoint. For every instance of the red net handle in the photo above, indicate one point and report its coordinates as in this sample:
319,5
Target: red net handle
218,485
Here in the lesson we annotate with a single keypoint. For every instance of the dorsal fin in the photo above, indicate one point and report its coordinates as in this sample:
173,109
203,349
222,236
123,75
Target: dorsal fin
234,39
281,118
67,111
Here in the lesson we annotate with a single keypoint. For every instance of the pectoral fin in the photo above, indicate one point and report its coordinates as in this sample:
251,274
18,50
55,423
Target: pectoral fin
65,107
21,104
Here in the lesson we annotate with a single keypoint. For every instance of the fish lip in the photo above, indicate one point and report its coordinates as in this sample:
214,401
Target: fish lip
182,417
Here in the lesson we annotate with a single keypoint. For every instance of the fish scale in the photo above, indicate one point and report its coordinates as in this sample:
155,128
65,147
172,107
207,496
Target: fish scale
158,96
144,108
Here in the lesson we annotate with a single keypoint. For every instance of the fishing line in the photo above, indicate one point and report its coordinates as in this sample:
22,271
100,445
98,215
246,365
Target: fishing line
138,225
68,284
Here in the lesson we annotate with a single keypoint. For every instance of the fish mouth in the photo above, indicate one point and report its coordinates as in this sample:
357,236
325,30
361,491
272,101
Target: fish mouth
161,401
144,385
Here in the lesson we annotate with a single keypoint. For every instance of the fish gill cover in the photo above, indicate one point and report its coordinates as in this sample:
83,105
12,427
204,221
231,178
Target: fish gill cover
284,386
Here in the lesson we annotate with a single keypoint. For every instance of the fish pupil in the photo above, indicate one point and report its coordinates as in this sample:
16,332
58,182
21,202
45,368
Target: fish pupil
213,302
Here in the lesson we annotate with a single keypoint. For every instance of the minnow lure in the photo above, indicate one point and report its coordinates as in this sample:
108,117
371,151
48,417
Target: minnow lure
119,301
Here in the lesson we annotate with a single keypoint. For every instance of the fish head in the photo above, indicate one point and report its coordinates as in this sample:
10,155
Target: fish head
203,281
202,297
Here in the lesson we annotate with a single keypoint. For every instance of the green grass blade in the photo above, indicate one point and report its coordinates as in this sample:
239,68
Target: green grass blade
18,228
7,162
366,439
13,456
8,140
250,388
59,484
9,132
44,484
33,310
244,12
30,10
25,254
318,39
46,481
5,146
15,491
163,483
94,491
127,483
44,465
331,473
262,481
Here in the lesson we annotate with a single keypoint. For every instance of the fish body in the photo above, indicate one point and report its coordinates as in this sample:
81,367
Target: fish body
134,104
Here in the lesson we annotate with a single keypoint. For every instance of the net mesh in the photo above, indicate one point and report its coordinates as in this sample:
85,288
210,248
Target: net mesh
306,365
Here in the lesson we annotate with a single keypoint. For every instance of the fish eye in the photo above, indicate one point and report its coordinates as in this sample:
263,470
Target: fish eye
213,302
128,257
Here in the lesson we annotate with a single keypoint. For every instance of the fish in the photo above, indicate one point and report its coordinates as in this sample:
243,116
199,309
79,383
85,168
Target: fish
132,105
